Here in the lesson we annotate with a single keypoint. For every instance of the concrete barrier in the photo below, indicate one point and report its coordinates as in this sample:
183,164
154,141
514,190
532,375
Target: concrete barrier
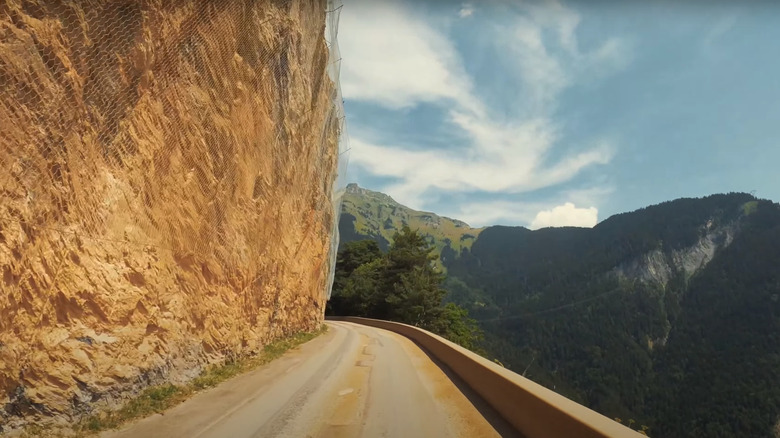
532,409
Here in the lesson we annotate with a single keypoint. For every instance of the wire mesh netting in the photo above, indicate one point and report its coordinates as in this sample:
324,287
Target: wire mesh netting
334,71
170,177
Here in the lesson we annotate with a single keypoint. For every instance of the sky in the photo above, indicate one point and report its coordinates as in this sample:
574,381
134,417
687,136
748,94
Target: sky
556,113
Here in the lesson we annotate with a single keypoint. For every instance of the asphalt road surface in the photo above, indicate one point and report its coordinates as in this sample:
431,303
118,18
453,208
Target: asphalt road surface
353,381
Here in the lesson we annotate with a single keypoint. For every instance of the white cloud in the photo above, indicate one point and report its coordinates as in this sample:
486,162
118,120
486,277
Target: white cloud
566,215
466,10
614,55
542,74
396,59
503,160
522,212
545,74
561,20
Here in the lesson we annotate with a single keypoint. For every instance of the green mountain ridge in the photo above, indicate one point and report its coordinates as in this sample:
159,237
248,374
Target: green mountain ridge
668,316
366,214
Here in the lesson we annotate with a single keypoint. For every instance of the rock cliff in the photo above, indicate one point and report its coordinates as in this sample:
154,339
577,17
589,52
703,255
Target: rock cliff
166,172
659,267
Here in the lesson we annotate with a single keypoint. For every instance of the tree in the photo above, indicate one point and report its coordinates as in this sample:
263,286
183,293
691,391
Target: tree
417,298
360,293
353,256
358,270
402,285
455,325
408,251
411,285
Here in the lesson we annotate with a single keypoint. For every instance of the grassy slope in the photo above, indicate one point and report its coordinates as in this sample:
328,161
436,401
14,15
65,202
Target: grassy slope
377,214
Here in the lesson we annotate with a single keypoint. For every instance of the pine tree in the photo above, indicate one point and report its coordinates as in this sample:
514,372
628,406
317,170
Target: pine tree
402,285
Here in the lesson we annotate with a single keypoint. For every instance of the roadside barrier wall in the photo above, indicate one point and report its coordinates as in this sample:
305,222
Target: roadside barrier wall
532,409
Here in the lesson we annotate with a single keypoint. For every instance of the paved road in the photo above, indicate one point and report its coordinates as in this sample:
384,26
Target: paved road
353,381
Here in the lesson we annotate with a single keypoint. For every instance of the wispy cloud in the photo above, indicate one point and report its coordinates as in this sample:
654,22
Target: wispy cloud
501,165
593,195
395,59
721,27
466,10
545,73
719,31
497,212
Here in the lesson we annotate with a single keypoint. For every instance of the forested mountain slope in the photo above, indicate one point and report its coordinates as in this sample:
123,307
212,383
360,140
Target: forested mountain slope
667,317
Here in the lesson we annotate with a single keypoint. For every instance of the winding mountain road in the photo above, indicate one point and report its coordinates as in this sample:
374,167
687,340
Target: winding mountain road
353,381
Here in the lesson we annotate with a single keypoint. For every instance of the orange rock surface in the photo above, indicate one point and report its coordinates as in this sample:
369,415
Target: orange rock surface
166,173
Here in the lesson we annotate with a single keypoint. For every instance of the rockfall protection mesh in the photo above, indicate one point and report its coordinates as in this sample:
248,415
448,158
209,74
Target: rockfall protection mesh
165,166
334,71
75,78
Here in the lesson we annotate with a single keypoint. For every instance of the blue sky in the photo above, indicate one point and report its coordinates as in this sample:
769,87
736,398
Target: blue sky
560,113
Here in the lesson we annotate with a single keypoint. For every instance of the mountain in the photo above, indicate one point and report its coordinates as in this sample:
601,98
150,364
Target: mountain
366,214
667,317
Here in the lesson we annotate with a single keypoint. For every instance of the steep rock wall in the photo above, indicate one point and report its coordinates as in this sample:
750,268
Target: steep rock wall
166,170
659,267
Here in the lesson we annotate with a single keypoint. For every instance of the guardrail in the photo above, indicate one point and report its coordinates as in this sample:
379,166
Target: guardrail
532,409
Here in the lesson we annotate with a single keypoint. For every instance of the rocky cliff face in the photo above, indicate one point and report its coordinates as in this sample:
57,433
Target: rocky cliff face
659,267
165,191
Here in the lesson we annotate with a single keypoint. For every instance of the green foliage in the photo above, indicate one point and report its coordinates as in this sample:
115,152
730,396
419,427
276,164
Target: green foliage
478,303
455,325
357,269
416,298
718,375
402,285
359,294
749,208
151,400
355,254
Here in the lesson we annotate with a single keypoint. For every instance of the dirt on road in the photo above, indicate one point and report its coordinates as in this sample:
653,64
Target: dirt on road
354,381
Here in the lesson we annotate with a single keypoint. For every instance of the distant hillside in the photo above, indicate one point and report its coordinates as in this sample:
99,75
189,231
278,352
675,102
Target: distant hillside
366,214
668,316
